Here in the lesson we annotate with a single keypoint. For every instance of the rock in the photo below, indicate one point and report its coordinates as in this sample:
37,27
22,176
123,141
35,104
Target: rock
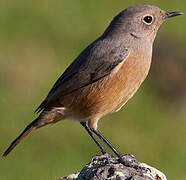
108,167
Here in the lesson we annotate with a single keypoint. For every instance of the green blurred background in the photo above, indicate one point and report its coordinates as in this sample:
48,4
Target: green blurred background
38,40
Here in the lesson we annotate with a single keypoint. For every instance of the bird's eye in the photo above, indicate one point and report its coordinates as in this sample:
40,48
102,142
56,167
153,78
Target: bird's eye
148,20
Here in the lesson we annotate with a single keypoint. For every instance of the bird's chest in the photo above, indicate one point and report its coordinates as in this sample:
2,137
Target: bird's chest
128,78
113,91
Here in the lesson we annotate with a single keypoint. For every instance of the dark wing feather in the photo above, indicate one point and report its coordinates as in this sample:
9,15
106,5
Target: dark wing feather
94,63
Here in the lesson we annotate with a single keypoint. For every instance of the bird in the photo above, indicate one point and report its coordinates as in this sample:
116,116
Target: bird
104,76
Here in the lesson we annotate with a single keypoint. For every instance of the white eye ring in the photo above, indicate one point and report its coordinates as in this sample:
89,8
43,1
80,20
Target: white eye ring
148,19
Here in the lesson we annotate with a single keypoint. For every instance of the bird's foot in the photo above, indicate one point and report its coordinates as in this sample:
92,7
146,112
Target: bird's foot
131,155
129,160
103,151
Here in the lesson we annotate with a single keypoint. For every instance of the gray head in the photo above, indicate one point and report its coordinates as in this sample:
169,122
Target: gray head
139,21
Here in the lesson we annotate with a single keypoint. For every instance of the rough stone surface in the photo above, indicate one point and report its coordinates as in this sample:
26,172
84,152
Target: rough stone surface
110,168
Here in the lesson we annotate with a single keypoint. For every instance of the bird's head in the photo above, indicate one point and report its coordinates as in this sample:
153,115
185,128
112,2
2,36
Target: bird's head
139,21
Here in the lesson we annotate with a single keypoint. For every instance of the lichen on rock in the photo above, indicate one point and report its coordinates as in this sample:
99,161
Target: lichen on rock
107,167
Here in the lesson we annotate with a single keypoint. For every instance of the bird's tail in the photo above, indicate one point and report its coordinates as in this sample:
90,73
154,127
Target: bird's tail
27,130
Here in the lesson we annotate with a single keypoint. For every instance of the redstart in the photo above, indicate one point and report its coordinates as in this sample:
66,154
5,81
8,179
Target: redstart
105,75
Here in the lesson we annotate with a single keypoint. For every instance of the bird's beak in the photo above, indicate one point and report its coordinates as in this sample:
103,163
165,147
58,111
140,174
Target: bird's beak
171,14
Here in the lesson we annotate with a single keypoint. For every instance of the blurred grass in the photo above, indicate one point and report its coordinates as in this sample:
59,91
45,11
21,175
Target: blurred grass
38,40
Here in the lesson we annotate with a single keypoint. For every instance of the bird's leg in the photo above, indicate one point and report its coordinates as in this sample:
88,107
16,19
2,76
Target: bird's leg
84,124
107,143
127,160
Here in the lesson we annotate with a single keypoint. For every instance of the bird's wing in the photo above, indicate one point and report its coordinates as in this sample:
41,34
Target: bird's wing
93,64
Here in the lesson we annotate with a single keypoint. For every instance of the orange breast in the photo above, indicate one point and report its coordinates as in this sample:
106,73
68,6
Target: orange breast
110,93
